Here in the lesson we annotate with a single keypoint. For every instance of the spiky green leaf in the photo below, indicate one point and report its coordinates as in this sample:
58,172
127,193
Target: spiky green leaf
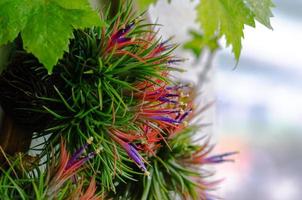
225,18
45,26
262,11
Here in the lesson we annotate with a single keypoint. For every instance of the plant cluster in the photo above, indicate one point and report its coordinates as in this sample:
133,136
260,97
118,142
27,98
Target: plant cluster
117,124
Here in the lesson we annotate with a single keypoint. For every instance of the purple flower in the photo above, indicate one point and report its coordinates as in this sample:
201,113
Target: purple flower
122,40
122,32
164,99
220,158
172,95
132,153
79,152
165,119
66,168
174,61
182,117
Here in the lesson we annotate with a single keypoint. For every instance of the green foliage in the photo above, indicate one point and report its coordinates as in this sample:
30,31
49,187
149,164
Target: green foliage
22,178
45,26
228,18
15,182
172,176
198,43
90,91
112,85
225,18
172,173
262,11
97,95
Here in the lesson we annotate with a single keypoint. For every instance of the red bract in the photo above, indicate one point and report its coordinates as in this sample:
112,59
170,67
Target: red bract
63,171
152,140
130,136
162,111
90,192
120,38
66,168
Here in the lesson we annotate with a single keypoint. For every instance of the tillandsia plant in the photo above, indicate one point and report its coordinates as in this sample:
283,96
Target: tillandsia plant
60,180
112,102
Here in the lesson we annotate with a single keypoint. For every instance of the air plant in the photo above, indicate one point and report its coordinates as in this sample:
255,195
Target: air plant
68,167
113,85
58,181
178,169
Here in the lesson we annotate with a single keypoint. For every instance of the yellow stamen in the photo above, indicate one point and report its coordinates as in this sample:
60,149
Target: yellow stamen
147,173
183,104
181,111
98,150
90,140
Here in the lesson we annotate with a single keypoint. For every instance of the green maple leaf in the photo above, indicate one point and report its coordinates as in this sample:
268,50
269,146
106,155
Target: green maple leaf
262,11
13,18
225,18
45,26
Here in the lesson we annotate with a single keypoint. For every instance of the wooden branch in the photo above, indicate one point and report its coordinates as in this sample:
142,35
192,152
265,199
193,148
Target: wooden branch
13,139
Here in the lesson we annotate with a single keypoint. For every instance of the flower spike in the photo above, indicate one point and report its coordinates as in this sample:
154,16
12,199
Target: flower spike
79,152
67,168
220,158
132,153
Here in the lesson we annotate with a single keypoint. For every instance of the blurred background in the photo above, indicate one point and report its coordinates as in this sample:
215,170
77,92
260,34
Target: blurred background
258,108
